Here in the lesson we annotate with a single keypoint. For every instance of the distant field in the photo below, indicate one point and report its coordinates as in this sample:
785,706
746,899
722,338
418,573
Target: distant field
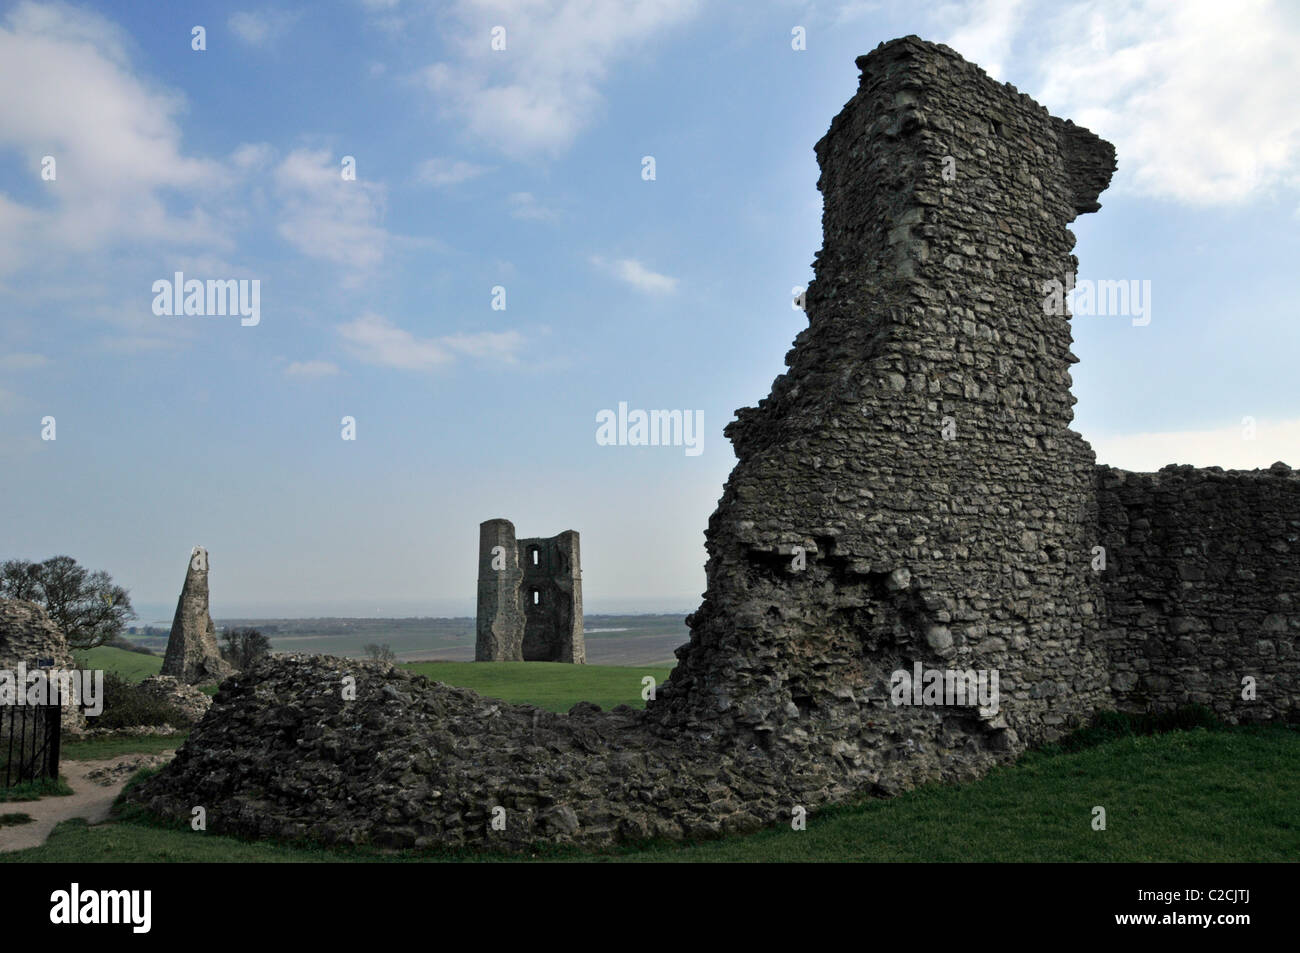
611,639
551,685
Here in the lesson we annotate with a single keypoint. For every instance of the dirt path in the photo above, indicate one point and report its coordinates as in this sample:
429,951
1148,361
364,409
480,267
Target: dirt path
95,785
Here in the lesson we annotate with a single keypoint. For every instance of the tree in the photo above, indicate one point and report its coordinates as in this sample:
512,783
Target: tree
86,606
381,653
244,647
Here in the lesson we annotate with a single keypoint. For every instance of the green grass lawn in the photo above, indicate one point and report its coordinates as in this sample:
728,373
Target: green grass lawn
134,666
551,685
103,747
554,686
1198,795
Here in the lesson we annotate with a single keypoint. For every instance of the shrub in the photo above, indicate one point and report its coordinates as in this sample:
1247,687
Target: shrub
244,647
126,706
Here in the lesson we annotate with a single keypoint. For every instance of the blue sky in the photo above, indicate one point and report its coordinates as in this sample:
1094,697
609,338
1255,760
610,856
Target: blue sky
522,169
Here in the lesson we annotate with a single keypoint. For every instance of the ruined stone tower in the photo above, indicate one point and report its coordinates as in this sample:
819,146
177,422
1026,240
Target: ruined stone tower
911,491
192,653
529,597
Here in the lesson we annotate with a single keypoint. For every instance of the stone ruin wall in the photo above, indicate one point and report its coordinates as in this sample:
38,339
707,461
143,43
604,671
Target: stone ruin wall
553,621
969,553
512,625
28,635
852,539
1202,585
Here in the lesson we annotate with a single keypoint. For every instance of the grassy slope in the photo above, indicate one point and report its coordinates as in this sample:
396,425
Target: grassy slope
135,666
1184,796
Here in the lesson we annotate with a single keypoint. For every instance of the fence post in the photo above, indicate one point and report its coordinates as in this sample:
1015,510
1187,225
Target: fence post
54,745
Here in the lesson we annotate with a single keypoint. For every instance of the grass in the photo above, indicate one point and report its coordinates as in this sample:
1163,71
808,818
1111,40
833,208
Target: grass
35,790
13,820
1197,795
134,666
552,685
555,686
1186,796
102,747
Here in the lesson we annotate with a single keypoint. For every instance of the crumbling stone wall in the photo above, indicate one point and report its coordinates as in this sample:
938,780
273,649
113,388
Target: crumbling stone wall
911,490
1202,585
29,636
529,597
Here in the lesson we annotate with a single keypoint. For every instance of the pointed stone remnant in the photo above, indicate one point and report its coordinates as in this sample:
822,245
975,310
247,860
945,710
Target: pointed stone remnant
192,653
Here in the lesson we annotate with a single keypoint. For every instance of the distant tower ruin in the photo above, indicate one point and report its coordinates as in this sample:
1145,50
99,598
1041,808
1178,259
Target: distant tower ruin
192,653
529,597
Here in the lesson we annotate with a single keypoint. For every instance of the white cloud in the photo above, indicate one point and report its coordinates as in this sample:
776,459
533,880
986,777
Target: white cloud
539,93
262,27
327,217
311,369
376,340
637,275
524,205
252,156
441,171
497,346
1219,447
1198,96
986,37
113,136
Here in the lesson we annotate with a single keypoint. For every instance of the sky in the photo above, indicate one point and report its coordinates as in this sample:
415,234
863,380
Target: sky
459,247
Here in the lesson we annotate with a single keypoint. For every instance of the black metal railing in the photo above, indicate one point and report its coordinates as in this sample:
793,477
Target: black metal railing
29,740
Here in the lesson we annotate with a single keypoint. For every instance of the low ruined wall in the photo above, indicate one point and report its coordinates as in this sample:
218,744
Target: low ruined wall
343,751
1202,588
